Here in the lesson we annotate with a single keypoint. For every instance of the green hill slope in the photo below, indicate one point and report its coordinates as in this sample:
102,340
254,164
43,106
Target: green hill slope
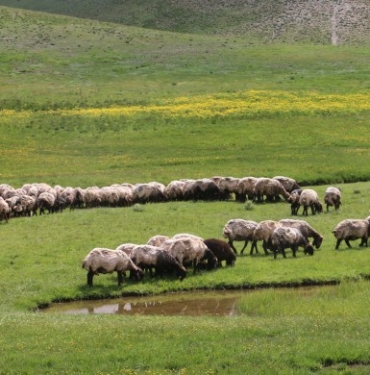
292,21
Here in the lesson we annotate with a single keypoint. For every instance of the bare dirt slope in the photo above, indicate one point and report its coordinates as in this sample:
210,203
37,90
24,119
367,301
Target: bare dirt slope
334,22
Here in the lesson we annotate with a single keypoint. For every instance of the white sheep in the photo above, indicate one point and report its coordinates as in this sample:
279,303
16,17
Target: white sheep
102,260
305,229
332,198
245,188
126,247
46,200
190,251
240,230
150,257
352,229
4,210
287,237
289,183
157,240
263,232
269,188
309,198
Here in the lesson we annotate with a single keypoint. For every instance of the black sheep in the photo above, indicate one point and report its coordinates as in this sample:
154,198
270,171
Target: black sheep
222,251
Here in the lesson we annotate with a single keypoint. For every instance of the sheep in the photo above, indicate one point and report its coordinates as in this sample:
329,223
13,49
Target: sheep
150,192
29,204
190,251
227,186
15,205
305,229
309,198
245,188
352,229
240,230
222,251
103,260
263,232
4,210
289,183
46,200
91,197
175,190
294,201
205,189
126,247
157,240
332,198
186,236
149,257
270,188
287,237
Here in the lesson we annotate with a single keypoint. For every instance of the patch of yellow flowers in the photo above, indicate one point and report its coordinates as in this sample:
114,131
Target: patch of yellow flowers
248,102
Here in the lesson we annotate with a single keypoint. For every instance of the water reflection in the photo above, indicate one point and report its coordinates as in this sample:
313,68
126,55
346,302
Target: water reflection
190,304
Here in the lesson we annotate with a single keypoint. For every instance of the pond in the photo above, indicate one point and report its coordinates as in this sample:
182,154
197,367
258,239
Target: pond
196,303
215,303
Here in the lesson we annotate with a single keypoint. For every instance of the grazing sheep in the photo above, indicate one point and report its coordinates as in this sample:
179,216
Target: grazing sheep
126,247
332,198
186,236
222,251
294,201
4,210
269,188
205,189
227,186
245,188
240,230
305,229
289,183
46,201
15,206
150,192
352,229
287,237
29,204
102,260
175,190
309,198
91,197
190,251
150,257
263,232
157,240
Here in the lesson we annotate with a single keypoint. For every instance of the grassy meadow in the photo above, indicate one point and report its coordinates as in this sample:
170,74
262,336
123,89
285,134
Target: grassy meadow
87,103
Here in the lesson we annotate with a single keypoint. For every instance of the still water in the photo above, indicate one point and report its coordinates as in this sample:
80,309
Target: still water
215,303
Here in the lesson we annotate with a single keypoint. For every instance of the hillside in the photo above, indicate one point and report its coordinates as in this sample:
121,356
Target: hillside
336,22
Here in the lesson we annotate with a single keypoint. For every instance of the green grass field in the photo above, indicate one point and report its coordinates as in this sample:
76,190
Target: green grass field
87,103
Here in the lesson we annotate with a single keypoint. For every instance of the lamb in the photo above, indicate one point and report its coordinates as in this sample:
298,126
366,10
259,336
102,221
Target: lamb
309,198
263,232
222,251
352,229
148,257
287,237
157,240
305,229
4,210
190,251
240,230
332,198
270,188
102,260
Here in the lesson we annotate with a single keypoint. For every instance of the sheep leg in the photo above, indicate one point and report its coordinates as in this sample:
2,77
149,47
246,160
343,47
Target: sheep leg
120,278
90,276
346,240
245,245
232,246
338,243
254,247
294,250
363,241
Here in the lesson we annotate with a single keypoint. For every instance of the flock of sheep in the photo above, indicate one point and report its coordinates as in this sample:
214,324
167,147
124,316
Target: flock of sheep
173,255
